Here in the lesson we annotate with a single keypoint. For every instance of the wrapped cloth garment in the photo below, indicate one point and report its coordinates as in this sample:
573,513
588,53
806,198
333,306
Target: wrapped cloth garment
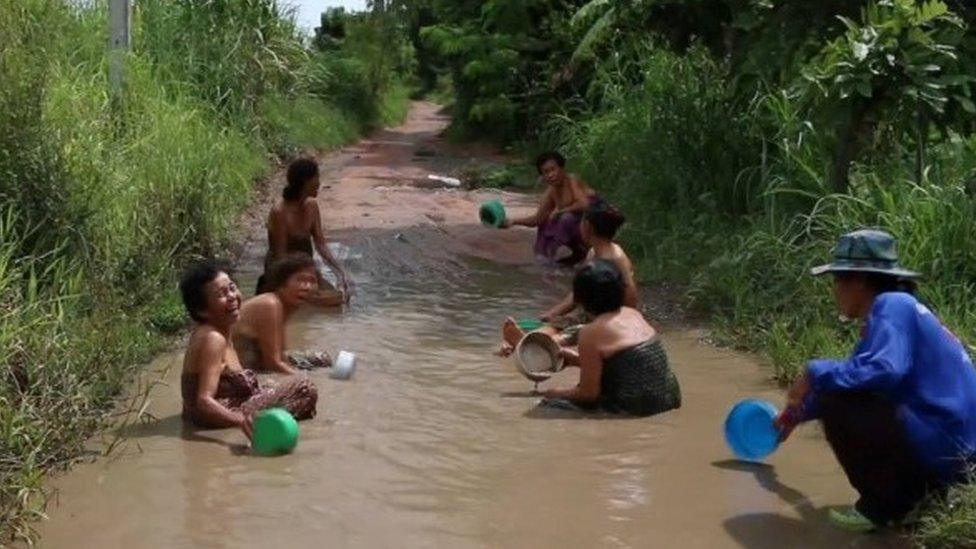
240,391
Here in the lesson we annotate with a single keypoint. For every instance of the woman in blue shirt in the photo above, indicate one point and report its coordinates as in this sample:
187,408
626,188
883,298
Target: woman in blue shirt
900,412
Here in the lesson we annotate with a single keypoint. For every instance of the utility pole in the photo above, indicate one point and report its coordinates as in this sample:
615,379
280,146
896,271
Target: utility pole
119,42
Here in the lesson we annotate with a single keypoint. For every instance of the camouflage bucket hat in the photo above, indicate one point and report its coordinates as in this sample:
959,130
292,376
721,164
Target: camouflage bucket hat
867,251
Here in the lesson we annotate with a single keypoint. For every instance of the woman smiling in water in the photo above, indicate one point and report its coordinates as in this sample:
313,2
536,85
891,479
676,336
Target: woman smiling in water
217,392
259,337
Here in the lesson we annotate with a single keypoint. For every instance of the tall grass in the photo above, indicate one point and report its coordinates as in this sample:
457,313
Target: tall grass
101,200
950,521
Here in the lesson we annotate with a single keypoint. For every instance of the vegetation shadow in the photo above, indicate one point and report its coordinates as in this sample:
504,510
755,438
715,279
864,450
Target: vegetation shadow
175,426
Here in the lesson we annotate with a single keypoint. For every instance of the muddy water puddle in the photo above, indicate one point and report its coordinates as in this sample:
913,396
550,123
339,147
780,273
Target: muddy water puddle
436,443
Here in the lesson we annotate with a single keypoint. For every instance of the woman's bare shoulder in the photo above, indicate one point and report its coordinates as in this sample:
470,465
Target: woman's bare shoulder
261,304
580,183
276,212
620,255
205,340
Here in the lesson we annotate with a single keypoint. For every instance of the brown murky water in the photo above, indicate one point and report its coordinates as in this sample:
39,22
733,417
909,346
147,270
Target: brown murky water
436,443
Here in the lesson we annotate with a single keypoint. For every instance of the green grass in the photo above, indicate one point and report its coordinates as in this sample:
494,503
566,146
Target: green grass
517,176
950,521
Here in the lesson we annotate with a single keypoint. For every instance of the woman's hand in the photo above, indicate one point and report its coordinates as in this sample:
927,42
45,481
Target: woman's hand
790,417
786,421
247,425
799,391
570,355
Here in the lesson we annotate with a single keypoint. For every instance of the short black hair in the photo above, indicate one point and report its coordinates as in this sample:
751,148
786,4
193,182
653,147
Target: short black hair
881,283
194,281
281,270
599,287
605,218
546,157
299,172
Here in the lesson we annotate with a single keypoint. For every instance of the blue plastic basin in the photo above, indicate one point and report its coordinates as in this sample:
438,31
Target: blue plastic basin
750,431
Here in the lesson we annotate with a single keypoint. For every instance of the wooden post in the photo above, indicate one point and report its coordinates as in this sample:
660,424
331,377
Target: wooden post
119,42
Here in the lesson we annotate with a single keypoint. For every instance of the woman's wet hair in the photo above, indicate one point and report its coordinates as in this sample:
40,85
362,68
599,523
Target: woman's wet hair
604,218
881,283
299,172
193,285
546,157
280,271
599,287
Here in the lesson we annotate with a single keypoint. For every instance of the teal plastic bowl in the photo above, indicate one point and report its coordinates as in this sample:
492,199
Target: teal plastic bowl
530,324
492,214
275,432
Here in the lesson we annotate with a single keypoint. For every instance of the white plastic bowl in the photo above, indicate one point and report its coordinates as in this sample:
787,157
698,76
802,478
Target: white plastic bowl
344,366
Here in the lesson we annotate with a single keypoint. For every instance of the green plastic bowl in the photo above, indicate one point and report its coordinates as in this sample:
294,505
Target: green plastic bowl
275,432
530,324
492,214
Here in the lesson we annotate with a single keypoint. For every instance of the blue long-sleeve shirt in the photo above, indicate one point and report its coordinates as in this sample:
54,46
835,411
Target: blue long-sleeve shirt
908,356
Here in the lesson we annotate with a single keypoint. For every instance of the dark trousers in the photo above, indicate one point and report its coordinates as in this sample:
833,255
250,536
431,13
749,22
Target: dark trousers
871,446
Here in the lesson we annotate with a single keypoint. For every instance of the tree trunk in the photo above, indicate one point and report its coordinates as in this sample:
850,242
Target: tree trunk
850,143
921,143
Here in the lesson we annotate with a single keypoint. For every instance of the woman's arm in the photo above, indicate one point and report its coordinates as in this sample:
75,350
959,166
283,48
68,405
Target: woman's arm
277,236
564,307
591,370
882,359
271,338
631,297
570,355
546,206
318,236
211,366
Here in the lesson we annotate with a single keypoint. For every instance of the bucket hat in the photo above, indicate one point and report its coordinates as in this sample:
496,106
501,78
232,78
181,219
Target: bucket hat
867,251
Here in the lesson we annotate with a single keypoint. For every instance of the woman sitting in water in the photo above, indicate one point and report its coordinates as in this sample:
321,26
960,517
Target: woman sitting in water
259,337
623,366
599,227
295,224
600,224
560,210
900,413
216,391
